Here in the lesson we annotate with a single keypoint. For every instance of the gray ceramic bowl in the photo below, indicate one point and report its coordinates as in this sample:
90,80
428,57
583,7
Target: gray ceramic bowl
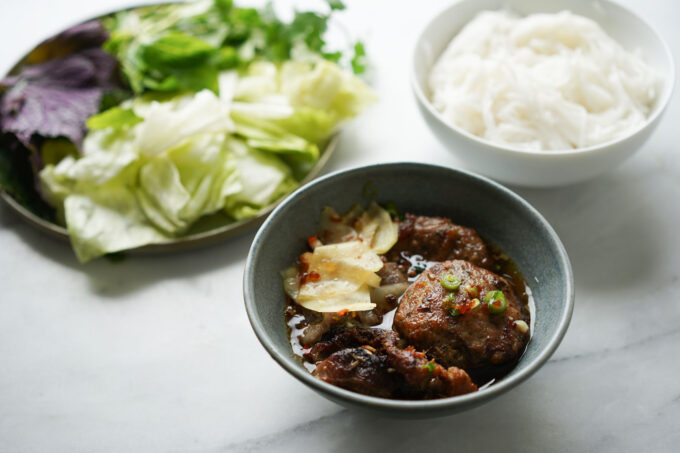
499,215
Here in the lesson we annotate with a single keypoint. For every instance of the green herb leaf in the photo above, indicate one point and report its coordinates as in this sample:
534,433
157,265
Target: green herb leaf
177,50
183,45
332,56
227,58
359,59
116,117
430,366
336,5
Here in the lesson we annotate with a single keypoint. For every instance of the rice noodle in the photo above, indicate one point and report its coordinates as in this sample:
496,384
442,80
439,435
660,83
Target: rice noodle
542,82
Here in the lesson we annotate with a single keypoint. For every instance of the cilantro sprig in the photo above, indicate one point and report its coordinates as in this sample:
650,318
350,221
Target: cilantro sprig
184,46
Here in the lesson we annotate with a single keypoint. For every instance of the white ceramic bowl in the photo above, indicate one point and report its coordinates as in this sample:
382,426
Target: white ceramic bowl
540,168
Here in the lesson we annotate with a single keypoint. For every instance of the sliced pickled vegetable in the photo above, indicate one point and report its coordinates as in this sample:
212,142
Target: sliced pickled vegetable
291,284
345,272
522,326
377,228
332,229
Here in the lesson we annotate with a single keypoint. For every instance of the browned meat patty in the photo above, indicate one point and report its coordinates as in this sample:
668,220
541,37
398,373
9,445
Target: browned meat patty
475,339
370,361
439,239
358,370
391,274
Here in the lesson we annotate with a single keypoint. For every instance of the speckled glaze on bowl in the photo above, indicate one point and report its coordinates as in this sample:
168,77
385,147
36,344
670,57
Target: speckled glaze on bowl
498,214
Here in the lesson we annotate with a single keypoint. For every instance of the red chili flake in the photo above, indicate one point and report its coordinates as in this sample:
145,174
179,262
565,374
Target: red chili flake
343,312
314,276
312,240
304,258
335,218
360,239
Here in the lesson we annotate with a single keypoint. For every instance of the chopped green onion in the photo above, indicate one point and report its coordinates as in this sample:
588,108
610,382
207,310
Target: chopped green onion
450,282
391,208
496,302
430,366
454,312
448,301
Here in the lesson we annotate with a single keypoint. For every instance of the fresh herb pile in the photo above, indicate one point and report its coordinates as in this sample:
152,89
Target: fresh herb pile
130,130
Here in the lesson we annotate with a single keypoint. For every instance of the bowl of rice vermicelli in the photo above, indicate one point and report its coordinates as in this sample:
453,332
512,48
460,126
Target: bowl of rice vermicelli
541,94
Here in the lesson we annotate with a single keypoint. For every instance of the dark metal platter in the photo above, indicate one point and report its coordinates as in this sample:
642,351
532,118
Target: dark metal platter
207,230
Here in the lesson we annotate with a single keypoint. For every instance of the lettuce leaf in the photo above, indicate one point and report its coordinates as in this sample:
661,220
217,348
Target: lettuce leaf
116,117
107,221
263,179
148,180
156,164
325,86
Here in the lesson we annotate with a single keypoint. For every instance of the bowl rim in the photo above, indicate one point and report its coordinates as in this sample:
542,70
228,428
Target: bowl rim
287,361
662,102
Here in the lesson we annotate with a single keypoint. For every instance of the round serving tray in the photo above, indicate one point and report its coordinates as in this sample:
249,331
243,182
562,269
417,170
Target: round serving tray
208,229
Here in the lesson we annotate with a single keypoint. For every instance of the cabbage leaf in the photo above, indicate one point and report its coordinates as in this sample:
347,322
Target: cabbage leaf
152,166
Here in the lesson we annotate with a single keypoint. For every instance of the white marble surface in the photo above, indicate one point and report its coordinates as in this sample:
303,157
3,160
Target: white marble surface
155,353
